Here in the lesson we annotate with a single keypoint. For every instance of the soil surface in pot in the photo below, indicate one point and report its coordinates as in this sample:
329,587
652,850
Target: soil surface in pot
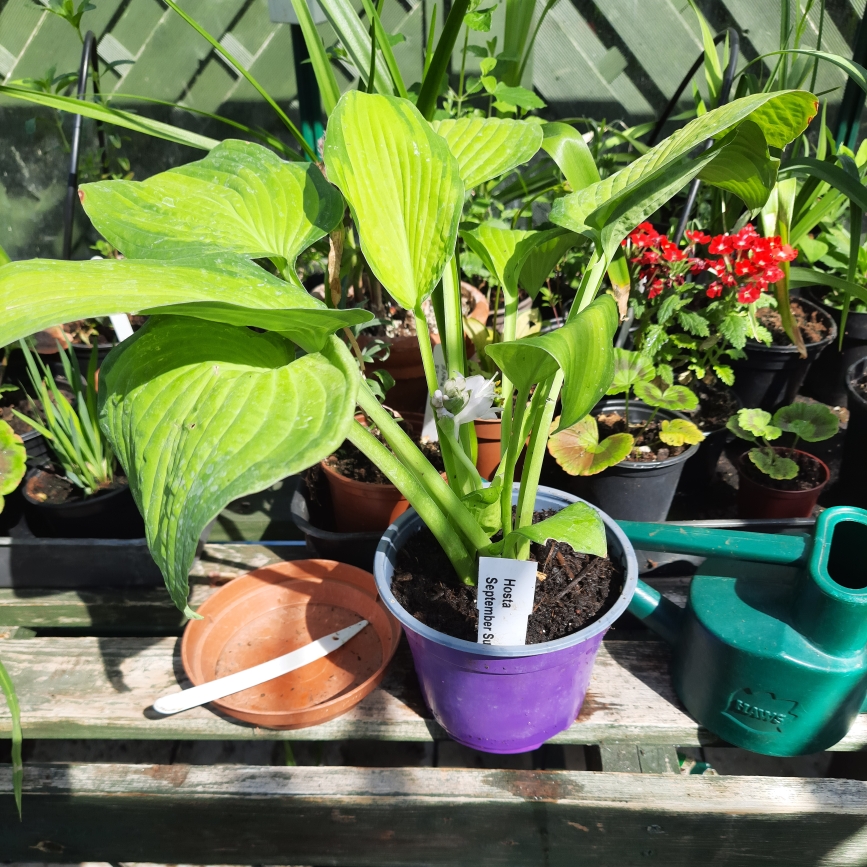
55,490
810,473
648,446
860,386
578,589
18,400
354,464
811,322
716,404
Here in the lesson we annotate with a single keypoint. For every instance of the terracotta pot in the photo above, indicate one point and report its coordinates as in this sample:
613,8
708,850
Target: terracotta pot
280,608
362,506
488,434
756,500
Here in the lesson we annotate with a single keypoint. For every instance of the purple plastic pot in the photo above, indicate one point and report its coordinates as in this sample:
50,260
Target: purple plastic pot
503,699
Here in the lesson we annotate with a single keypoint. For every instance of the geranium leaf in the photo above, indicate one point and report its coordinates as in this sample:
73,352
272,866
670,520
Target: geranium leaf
629,368
403,186
201,413
578,525
210,287
487,147
241,197
758,423
772,464
582,349
677,398
13,458
571,446
679,431
812,422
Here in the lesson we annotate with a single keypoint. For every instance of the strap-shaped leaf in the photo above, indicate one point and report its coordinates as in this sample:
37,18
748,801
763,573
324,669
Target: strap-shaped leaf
582,349
404,188
487,147
30,297
542,260
241,197
607,210
200,413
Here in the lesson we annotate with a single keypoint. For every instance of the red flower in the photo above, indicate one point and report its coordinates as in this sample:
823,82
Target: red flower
786,253
773,274
717,266
672,254
721,244
744,267
655,288
749,293
762,260
697,237
714,290
728,279
697,265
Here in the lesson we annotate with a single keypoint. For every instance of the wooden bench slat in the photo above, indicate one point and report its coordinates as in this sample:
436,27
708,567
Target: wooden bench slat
432,816
103,687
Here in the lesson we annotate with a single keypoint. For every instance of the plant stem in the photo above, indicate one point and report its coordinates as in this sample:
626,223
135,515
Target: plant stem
453,335
463,68
510,330
591,280
409,454
423,333
418,497
514,445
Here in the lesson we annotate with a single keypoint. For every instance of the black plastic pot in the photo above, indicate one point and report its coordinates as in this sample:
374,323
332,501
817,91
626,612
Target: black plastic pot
357,549
771,376
827,378
633,491
853,470
105,516
37,448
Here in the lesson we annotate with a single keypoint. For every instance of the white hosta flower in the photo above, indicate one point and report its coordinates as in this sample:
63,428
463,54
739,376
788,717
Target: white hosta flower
465,399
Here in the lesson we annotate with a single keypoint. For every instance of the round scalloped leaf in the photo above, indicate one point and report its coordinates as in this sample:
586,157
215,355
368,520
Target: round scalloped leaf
612,450
773,464
571,447
677,398
758,423
629,368
812,422
679,431
13,456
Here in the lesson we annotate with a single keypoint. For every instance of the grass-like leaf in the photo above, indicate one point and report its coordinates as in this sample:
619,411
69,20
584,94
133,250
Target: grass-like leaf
8,689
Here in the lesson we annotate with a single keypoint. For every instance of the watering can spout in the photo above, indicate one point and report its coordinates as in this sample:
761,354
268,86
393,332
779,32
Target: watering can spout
658,613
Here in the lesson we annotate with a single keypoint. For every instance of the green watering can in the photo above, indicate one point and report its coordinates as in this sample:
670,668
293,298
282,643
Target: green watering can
770,653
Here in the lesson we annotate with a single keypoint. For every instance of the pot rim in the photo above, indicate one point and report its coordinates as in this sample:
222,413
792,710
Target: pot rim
817,296
307,526
69,504
755,346
630,582
668,414
852,375
787,494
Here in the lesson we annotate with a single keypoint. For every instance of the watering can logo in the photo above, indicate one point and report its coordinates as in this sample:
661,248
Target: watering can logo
770,653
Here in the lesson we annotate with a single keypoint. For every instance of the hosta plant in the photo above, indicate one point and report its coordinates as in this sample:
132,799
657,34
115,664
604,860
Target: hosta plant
240,377
812,422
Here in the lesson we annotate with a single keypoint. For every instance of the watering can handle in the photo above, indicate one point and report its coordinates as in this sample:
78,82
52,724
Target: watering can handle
658,613
729,544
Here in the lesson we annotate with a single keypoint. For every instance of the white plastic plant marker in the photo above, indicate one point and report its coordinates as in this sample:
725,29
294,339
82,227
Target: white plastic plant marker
240,680
505,600
122,327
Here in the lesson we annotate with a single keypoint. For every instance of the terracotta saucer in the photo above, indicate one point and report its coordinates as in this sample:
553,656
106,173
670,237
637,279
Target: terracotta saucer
277,609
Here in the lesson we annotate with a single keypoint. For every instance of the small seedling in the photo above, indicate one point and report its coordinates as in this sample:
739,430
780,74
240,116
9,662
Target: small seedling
812,422
578,451
12,461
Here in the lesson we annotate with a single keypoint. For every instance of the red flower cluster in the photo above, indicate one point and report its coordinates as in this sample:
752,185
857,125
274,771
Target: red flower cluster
743,261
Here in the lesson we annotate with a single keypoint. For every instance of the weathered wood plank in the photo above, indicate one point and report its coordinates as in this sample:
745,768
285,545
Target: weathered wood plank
430,816
104,687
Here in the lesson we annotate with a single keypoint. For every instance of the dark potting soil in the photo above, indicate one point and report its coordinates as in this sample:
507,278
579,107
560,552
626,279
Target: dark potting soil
55,490
578,589
717,403
810,473
648,446
18,400
811,322
861,385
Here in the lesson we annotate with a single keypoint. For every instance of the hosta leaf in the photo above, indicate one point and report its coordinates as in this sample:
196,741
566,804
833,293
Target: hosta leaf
773,464
487,147
582,349
542,260
677,398
566,146
241,197
201,413
578,525
812,422
210,287
404,188
679,431
629,368
578,451
607,210
12,460
484,504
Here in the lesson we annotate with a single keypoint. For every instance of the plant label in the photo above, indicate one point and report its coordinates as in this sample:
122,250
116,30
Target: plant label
122,327
429,429
505,599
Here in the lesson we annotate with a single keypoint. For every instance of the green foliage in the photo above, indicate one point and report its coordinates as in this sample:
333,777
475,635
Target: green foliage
8,690
484,504
773,464
677,398
577,525
403,186
73,432
679,431
630,368
67,10
812,422
578,451
749,424
13,456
